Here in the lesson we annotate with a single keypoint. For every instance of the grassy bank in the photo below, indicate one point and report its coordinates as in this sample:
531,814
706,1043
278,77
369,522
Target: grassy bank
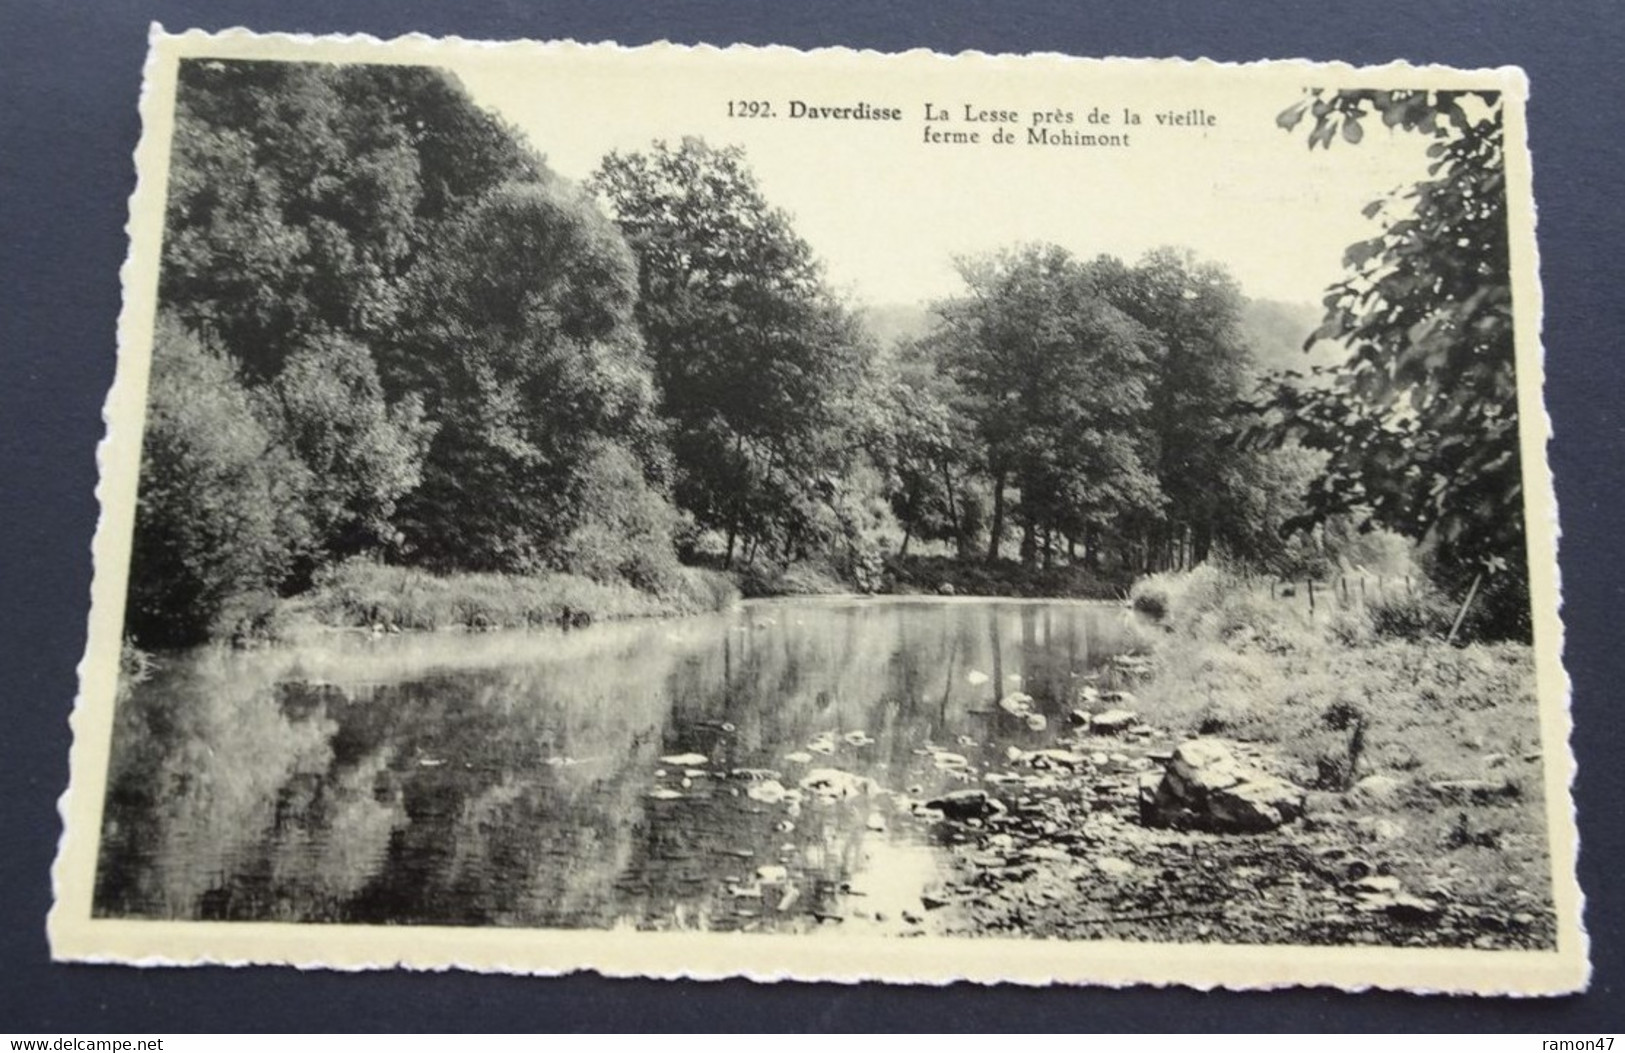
362,594
1427,755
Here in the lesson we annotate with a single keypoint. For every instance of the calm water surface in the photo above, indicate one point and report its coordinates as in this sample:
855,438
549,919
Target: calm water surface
529,779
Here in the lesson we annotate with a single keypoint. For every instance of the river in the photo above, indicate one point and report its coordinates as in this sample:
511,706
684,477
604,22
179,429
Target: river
757,769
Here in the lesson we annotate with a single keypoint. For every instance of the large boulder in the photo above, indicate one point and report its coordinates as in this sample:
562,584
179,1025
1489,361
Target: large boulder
1205,786
1254,805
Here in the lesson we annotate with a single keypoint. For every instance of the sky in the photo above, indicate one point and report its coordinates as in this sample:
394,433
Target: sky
888,212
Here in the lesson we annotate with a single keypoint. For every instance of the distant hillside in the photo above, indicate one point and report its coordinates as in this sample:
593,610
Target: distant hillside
1275,331
890,323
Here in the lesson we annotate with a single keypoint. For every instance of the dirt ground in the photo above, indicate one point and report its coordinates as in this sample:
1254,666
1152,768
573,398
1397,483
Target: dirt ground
1070,857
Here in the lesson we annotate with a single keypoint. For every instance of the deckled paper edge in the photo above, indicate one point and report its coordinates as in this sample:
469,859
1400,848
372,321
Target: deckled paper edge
73,936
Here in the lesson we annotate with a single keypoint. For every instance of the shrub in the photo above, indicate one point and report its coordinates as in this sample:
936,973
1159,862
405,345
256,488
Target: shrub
1182,596
797,579
929,574
708,590
1419,615
623,527
327,406
1150,596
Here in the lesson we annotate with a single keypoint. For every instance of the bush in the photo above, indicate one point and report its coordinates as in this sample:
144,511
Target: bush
624,528
707,590
327,406
1182,595
1151,597
797,579
1419,615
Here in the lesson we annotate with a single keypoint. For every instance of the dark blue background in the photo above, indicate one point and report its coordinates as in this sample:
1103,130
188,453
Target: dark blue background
69,76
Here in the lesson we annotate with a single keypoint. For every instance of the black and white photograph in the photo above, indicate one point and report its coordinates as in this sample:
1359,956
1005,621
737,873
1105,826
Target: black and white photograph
826,515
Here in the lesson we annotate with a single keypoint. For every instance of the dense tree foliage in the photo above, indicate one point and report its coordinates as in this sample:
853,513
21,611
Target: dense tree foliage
926,447
523,345
1420,423
424,331
757,363
327,407
219,521
389,331
1102,397
1058,381
300,193
1195,309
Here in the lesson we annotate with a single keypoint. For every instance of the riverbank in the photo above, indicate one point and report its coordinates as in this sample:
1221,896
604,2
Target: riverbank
947,576
1419,765
932,576
375,597
367,595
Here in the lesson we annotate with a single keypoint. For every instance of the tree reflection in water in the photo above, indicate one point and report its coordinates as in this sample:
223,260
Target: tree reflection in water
510,779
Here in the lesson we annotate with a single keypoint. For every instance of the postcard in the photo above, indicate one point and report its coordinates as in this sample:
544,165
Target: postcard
694,512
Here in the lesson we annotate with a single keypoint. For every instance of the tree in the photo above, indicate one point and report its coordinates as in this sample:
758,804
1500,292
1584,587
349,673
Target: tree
1195,310
926,450
219,511
754,359
1420,423
523,345
300,194
327,406
1056,379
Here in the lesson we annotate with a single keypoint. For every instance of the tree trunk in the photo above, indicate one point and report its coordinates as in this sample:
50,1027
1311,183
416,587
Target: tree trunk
908,535
998,518
1029,541
733,535
1202,543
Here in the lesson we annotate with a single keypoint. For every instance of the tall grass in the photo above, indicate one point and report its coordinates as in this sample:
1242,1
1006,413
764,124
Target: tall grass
362,593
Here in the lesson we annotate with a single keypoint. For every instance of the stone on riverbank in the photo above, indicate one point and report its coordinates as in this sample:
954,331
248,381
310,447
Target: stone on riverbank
1205,786
1113,721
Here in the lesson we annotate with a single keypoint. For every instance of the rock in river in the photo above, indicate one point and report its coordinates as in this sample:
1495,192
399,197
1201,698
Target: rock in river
966,804
768,791
1017,703
832,782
